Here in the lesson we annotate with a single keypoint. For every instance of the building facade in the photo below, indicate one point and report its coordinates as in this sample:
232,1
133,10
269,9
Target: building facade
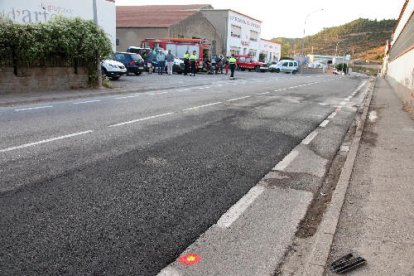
37,11
398,67
240,33
136,23
270,51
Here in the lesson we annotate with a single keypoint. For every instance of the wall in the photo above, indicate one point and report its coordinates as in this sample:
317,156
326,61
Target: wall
42,79
271,50
134,36
399,64
401,76
197,26
35,11
218,18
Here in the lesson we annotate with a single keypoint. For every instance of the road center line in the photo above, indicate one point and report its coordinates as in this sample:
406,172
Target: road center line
85,102
286,161
310,137
264,93
142,119
236,99
237,209
32,108
324,123
201,106
46,141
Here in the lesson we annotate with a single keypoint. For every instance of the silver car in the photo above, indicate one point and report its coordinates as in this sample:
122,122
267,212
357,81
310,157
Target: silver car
286,66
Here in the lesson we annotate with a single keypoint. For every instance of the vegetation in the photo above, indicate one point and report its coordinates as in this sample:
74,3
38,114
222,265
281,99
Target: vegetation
71,41
362,38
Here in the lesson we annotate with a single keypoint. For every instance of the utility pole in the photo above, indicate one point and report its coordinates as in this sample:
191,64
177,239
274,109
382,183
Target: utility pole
97,57
304,30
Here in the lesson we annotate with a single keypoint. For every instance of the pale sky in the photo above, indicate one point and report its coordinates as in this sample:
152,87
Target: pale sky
286,17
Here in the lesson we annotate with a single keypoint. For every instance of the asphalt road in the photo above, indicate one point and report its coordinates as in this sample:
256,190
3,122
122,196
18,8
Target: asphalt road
121,185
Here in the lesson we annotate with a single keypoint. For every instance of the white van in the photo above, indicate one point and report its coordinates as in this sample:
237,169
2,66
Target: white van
286,66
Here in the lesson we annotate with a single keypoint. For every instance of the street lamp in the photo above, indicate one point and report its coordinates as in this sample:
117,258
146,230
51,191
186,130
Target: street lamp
304,29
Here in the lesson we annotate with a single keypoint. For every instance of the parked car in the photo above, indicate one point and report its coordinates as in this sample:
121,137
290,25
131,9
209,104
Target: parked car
113,69
178,66
134,63
285,66
245,62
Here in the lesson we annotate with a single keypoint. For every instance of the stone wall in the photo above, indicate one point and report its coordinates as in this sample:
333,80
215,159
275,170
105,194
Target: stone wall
42,79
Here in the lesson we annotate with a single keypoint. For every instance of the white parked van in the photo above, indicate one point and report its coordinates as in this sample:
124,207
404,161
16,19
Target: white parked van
286,66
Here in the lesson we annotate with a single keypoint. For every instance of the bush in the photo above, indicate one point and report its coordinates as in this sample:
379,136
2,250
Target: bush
341,67
73,40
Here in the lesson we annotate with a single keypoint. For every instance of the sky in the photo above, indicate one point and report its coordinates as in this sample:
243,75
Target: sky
286,18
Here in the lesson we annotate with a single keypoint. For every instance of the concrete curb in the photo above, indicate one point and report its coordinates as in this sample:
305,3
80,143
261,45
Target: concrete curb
316,263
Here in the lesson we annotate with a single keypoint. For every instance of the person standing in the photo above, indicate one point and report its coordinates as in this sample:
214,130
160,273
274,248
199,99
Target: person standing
161,62
170,62
148,60
186,63
193,62
232,63
226,65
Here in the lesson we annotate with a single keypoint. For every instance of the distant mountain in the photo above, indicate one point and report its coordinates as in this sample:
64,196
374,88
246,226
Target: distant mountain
362,38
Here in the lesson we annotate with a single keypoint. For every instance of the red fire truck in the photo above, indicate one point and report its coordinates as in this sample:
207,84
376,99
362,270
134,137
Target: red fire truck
179,46
245,62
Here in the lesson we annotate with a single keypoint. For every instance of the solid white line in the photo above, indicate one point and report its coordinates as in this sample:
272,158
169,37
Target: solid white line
309,138
237,209
236,99
324,123
264,93
333,114
286,161
343,103
45,141
127,97
201,106
92,101
32,108
142,119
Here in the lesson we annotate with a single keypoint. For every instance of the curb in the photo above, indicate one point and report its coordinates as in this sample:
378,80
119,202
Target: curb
321,248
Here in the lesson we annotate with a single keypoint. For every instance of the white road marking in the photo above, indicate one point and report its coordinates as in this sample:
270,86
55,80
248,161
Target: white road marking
46,141
236,99
286,161
310,137
33,108
264,93
201,106
237,209
324,123
85,102
343,103
126,97
142,119
333,114
158,93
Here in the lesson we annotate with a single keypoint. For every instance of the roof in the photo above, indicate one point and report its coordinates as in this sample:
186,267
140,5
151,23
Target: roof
155,15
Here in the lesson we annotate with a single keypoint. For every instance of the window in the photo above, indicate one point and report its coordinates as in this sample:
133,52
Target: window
235,31
235,50
285,64
290,64
248,60
254,35
242,59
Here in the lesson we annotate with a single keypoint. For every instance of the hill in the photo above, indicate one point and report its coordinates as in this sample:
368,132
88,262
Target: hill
362,38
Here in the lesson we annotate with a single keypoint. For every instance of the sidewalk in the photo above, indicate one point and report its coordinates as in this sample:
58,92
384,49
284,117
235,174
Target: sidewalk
377,218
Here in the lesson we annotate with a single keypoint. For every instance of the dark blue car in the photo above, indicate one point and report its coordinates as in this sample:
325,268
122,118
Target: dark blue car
133,62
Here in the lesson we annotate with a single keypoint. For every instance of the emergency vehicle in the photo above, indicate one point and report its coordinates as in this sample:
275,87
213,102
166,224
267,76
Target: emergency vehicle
179,46
245,62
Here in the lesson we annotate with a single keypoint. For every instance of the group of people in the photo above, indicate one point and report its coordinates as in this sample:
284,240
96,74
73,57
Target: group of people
190,63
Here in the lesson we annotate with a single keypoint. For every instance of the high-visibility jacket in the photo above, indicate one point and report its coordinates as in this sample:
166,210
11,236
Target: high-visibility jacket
193,57
186,56
232,60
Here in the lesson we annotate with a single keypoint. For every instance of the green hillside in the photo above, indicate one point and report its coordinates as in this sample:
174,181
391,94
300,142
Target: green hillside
362,38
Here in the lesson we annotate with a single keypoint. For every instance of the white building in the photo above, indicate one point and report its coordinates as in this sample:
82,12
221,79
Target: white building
241,33
271,50
398,65
35,11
